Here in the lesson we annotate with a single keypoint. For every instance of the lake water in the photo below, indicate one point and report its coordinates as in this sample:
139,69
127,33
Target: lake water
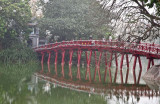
46,89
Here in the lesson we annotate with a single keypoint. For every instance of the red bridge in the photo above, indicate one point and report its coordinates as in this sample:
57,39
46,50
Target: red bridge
150,51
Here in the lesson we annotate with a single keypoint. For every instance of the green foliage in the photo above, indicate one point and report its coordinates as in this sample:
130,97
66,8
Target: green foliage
74,19
18,53
14,18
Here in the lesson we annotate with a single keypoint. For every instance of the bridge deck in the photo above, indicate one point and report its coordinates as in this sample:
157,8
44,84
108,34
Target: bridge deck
142,49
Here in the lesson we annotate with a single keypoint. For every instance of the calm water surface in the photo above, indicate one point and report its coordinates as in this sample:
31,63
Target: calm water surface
40,91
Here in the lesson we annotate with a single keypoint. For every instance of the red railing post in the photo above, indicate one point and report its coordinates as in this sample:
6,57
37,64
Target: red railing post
127,60
97,67
88,67
55,62
106,67
62,63
140,66
152,62
70,63
134,66
116,60
42,59
95,56
78,65
110,63
121,65
86,56
149,63
48,62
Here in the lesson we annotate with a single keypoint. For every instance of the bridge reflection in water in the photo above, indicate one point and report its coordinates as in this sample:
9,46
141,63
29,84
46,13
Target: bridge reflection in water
112,92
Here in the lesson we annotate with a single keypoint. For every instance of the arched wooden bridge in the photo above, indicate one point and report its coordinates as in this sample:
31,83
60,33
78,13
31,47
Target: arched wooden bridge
150,51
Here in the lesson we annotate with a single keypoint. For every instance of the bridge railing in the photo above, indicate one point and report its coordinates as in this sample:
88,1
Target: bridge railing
127,46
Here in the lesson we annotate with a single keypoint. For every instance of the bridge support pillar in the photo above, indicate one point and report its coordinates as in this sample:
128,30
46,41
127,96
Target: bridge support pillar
116,60
70,63
48,62
106,67
127,60
42,59
97,66
88,66
121,65
140,66
55,62
134,66
62,63
78,65
149,63
109,68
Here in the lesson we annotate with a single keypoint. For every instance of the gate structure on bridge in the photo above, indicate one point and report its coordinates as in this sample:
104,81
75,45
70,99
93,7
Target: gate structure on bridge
99,47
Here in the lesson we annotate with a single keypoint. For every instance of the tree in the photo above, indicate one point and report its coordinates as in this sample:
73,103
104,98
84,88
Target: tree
74,19
139,19
14,18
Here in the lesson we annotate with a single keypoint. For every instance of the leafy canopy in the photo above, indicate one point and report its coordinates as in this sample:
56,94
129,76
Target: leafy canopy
14,18
74,19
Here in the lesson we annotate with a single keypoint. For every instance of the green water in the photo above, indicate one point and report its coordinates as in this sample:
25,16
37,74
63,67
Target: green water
18,86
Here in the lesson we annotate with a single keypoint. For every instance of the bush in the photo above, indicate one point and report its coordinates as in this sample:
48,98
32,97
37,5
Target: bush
18,53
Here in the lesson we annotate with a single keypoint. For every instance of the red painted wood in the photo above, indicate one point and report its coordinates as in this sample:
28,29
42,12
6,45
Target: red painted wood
140,66
109,67
48,62
116,60
143,49
88,67
78,65
149,62
70,63
55,62
152,62
97,67
95,57
134,66
62,62
127,60
121,65
42,59
106,67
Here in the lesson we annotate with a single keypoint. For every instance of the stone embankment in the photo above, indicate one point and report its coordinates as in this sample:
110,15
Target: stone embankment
153,74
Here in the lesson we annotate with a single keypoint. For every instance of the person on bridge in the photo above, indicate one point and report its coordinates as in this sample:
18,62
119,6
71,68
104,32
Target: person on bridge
110,38
119,41
119,38
137,42
90,37
103,39
128,42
